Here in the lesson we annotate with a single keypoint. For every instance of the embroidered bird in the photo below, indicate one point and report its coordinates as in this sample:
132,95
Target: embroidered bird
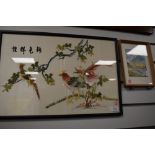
72,82
29,79
88,73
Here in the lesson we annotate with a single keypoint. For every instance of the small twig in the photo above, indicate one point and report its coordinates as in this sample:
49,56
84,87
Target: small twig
109,98
18,81
50,61
63,99
43,75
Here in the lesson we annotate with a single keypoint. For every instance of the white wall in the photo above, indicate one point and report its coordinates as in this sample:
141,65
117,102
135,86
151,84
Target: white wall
134,116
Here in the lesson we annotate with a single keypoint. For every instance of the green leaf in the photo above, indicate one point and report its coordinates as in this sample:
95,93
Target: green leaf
36,64
68,45
102,79
100,82
78,49
59,47
99,95
30,69
7,87
82,58
91,53
49,79
9,81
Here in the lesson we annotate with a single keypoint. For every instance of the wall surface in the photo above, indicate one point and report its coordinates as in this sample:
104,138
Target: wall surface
134,115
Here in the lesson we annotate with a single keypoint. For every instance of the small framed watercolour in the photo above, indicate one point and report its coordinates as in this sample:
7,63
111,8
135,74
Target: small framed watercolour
137,62
58,75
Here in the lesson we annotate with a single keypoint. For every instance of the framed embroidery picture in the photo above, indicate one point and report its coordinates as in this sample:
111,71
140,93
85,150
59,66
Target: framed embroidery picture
52,75
137,63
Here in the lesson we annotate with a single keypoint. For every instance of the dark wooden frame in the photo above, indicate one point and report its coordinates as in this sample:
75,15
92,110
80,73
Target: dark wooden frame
142,30
150,59
73,115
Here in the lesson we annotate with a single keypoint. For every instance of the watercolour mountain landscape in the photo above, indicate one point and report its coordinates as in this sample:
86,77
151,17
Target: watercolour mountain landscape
136,65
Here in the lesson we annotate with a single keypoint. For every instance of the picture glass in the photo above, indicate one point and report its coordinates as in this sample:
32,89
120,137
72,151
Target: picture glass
58,75
136,64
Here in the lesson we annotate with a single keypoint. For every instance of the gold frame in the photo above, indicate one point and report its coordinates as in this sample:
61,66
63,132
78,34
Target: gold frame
150,60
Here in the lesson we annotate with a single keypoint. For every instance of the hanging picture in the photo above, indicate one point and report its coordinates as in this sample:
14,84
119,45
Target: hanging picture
44,75
137,63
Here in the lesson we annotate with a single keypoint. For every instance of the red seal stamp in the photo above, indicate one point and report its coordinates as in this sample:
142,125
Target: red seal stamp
129,81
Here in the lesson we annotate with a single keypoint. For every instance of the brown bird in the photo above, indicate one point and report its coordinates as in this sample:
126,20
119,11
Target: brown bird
29,79
88,73
72,82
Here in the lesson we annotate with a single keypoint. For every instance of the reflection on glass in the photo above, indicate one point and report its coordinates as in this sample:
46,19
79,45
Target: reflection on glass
33,78
138,50
32,73
112,79
24,60
105,62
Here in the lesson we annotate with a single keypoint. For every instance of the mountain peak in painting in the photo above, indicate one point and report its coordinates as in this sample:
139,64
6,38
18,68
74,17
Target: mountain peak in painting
136,65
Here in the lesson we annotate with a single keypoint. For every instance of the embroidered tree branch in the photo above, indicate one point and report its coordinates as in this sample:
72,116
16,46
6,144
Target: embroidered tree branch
82,49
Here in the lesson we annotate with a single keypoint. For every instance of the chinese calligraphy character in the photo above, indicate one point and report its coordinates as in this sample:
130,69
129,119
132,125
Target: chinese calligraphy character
38,49
31,50
22,49
14,48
